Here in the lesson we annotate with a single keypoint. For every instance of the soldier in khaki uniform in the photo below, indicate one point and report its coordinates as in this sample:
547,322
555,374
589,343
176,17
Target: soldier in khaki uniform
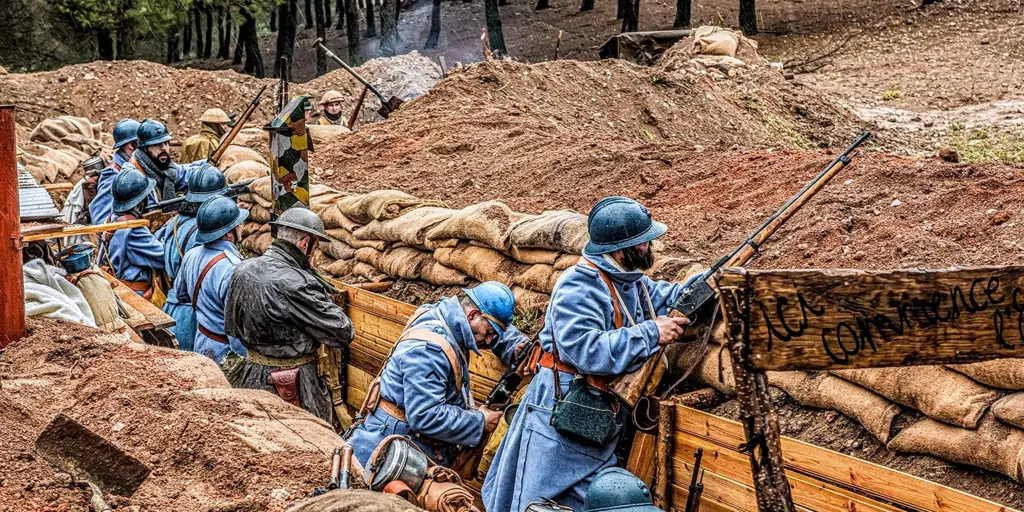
330,102
199,146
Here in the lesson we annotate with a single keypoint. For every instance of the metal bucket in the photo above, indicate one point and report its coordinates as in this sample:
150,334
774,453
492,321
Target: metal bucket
402,461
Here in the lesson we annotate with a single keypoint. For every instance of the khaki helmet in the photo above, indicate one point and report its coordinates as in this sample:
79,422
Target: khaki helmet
330,97
215,115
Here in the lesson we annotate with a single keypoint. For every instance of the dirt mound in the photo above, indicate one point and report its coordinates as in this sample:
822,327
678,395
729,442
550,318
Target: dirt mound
210,447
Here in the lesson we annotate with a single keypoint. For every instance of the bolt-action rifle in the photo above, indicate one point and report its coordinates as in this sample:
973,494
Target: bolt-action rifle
244,118
173,205
696,484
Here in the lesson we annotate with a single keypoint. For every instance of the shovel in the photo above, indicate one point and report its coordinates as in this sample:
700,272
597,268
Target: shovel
89,457
386,106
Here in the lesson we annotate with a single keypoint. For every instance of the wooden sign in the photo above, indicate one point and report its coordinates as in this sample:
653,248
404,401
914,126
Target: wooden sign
827,319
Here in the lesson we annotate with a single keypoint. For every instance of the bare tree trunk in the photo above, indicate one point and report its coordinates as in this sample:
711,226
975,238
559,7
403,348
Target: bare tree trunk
327,14
172,46
198,22
208,48
371,22
239,49
251,42
435,25
748,18
321,32
586,5
630,16
186,37
683,10
494,34
286,17
307,14
220,31
273,20
105,43
398,14
388,28
339,7
355,51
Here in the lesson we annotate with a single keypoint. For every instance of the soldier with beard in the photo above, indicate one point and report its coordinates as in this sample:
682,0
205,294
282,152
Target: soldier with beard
153,158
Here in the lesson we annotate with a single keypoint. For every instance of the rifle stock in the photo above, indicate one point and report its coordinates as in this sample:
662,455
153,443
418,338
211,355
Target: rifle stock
230,137
700,295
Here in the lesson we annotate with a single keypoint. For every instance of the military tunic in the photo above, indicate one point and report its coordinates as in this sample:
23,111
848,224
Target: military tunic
135,254
213,292
179,236
102,204
199,146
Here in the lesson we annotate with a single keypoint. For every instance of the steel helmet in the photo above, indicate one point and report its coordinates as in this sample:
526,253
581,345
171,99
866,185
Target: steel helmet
217,216
496,303
152,132
75,259
303,220
215,115
125,131
330,97
618,222
131,187
205,182
619,490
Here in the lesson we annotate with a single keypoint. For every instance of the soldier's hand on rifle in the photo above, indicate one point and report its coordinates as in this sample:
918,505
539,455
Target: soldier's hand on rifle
670,329
491,418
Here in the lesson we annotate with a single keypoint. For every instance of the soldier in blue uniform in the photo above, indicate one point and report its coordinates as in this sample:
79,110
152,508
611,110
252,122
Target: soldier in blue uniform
134,255
424,386
605,319
205,274
179,236
153,158
125,140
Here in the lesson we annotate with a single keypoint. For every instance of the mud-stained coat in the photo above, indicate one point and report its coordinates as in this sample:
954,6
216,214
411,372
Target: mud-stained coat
102,204
534,461
184,317
419,378
209,307
278,308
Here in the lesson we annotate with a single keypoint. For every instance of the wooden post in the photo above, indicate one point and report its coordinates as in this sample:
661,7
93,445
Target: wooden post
662,488
359,106
12,291
760,424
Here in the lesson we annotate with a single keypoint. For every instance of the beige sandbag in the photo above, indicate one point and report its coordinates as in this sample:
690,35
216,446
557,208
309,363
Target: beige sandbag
249,227
566,261
57,128
322,197
339,250
368,272
381,204
487,223
101,299
559,230
235,154
246,170
480,263
716,369
66,162
530,300
1010,409
433,272
326,133
441,243
534,256
369,255
403,262
259,214
340,268
42,169
825,391
355,500
938,392
320,259
538,278
411,228
993,446
1005,373
258,243
346,236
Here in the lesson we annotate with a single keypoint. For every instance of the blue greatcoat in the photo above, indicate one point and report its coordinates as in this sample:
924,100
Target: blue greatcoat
182,313
418,378
102,204
212,295
134,253
534,461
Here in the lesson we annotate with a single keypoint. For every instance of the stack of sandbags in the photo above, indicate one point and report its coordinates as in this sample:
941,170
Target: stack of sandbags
76,132
59,145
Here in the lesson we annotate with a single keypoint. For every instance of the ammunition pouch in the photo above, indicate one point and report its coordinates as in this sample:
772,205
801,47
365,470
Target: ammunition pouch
586,415
286,383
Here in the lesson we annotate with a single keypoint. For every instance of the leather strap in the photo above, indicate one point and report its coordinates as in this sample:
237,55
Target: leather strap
137,286
202,276
174,234
281,362
219,338
392,409
611,289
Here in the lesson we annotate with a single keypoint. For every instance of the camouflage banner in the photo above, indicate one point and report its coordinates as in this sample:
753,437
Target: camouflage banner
290,144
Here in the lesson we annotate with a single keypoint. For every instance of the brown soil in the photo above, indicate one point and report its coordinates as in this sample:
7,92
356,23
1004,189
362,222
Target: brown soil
133,397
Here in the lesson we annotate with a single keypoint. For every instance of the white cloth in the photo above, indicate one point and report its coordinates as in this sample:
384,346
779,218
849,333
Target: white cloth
73,211
49,294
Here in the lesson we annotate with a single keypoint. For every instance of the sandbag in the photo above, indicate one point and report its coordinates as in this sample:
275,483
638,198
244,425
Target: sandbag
826,391
411,228
534,256
558,230
42,169
381,204
538,278
433,272
993,446
340,268
1010,409
259,214
998,373
322,197
566,261
320,259
101,299
236,153
530,300
249,227
57,128
487,223
940,393
369,255
716,369
403,262
258,243
712,40
333,217
338,250
355,500
245,170
480,263
346,236
368,272
326,133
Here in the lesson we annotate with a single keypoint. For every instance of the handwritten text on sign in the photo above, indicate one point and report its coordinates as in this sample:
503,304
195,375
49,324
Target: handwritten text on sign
817,319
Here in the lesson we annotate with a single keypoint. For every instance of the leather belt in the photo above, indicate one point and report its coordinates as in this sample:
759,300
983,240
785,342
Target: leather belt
281,362
220,338
548,361
392,409
137,286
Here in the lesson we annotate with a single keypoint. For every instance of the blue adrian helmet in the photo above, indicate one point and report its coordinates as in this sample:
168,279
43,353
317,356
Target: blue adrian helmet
619,222
125,131
205,182
619,490
75,259
131,187
152,132
496,302
217,216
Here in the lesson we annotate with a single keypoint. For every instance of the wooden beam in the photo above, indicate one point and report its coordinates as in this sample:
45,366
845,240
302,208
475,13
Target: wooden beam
863,477
58,187
76,230
153,317
641,457
833,319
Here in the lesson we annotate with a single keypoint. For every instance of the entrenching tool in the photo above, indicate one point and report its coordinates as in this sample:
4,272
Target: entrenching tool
386,106
90,458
